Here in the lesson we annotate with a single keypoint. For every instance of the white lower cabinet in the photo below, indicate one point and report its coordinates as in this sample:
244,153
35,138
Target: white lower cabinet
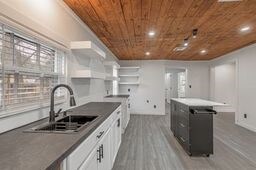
104,161
116,132
99,158
99,150
91,163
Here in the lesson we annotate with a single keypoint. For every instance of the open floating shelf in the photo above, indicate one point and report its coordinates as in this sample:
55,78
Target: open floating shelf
129,83
134,67
111,78
111,64
89,74
129,75
87,49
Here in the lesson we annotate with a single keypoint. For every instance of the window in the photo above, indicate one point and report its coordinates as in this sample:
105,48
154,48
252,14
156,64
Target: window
28,71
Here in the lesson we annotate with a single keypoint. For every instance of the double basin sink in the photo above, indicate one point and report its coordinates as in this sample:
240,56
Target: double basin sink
68,124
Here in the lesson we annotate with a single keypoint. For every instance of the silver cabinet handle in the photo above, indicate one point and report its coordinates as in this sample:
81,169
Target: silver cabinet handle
99,154
102,152
118,123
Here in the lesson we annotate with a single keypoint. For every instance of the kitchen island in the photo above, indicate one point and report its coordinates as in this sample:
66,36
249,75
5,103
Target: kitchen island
192,124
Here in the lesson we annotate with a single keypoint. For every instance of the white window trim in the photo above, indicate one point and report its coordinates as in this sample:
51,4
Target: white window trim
18,111
7,112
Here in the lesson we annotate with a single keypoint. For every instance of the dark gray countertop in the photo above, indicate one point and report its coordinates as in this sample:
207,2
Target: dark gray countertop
36,151
118,96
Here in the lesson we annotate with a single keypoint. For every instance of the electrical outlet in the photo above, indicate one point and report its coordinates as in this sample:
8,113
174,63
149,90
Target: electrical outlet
245,115
154,106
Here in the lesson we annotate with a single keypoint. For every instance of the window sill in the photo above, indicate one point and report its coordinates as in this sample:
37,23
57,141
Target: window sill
17,111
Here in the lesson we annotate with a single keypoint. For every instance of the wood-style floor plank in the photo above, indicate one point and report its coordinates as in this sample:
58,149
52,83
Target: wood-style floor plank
148,144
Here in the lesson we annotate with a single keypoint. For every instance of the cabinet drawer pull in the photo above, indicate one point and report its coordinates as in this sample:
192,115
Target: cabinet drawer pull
101,133
118,123
102,152
182,110
182,125
99,155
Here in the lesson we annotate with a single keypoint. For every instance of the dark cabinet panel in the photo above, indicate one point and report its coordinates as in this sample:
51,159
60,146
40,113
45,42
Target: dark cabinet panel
194,131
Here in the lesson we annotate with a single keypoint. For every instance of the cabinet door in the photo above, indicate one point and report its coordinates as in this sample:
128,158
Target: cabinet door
128,110
118,135
112,143
124,116
91,163
105,154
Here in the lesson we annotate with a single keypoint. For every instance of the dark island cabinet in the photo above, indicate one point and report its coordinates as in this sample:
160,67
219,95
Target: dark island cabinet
193,127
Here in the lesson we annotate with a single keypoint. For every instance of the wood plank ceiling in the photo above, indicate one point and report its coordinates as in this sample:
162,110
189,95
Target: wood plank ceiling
123,26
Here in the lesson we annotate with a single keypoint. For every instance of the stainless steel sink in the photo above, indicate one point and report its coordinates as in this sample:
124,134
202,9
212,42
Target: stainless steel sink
68,124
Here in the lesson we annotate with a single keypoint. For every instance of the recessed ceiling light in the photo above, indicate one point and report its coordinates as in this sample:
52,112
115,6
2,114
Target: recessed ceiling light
203,51
151,33
186,42
147,53
244,29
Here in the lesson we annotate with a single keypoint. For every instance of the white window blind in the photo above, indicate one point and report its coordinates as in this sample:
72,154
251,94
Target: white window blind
28,71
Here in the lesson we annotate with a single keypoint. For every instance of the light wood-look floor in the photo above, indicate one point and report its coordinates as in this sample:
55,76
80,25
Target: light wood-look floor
148,144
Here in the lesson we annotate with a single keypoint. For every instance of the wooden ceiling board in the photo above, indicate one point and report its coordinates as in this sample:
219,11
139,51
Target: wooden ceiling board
123,26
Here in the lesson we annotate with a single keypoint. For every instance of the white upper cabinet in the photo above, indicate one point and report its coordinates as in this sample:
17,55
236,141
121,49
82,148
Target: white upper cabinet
87,49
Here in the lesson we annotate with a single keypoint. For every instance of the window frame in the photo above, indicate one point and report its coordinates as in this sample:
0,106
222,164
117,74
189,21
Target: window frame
58,71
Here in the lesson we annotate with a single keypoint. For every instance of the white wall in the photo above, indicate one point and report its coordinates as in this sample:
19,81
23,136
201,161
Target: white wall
224,88
53,22
152,87
245,59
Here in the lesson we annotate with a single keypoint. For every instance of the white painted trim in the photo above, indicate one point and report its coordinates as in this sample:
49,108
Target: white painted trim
251,128
18,111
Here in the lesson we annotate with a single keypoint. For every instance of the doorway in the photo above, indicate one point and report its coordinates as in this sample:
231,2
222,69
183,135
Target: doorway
175,83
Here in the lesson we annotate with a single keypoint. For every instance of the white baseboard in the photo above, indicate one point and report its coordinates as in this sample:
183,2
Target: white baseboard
246,126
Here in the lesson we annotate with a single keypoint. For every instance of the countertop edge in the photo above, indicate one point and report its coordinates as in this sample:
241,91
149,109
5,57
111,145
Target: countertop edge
58,161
